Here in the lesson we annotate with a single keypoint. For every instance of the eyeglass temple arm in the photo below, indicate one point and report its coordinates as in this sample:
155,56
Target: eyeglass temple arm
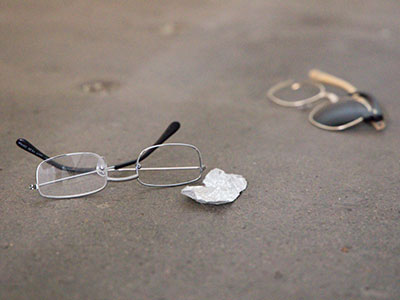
326,78
27,146
171,129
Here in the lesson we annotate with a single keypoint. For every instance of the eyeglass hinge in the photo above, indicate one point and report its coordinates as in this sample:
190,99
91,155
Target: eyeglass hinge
33,187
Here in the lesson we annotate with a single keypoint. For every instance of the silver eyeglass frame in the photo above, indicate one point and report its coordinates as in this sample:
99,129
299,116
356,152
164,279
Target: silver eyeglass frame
201,167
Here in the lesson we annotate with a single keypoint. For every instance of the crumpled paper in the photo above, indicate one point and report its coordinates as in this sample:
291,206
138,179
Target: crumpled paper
219,188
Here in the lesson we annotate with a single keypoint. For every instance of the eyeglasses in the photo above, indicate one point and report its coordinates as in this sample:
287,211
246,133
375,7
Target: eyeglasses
83,173
338,113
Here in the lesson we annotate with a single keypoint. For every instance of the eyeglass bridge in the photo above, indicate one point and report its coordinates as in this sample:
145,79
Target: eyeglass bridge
333,98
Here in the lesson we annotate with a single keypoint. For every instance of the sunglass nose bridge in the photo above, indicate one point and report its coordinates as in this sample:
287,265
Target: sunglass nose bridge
333,98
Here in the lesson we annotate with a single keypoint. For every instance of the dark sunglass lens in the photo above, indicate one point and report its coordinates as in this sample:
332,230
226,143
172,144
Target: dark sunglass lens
340,113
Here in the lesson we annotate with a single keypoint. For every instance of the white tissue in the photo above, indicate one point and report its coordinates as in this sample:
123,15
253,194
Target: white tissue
219,188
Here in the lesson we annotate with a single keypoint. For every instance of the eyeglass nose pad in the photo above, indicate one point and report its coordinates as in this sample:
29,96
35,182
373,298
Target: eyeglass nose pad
295,86
101,168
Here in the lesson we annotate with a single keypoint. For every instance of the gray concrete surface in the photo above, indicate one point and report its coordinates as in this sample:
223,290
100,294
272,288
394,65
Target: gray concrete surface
320,218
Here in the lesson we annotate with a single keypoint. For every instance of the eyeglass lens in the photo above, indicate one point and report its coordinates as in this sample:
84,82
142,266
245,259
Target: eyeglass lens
55,182
170,165
297,91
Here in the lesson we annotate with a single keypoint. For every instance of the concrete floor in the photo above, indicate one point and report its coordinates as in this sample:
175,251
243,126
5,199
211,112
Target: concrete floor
320,218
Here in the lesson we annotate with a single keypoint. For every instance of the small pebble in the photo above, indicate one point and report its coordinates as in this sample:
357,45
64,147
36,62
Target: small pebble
345,249
6,245
373,293
169,29
278,275
99,86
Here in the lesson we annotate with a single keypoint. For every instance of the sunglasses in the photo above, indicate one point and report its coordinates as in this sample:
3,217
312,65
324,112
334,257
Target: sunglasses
338,113
83,173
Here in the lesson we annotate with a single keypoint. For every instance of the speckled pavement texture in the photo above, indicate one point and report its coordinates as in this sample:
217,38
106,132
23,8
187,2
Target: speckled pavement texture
320,218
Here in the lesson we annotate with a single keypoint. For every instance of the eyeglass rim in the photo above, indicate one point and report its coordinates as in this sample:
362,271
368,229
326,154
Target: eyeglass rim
77,195
327,127
107,169
299,103
202,166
